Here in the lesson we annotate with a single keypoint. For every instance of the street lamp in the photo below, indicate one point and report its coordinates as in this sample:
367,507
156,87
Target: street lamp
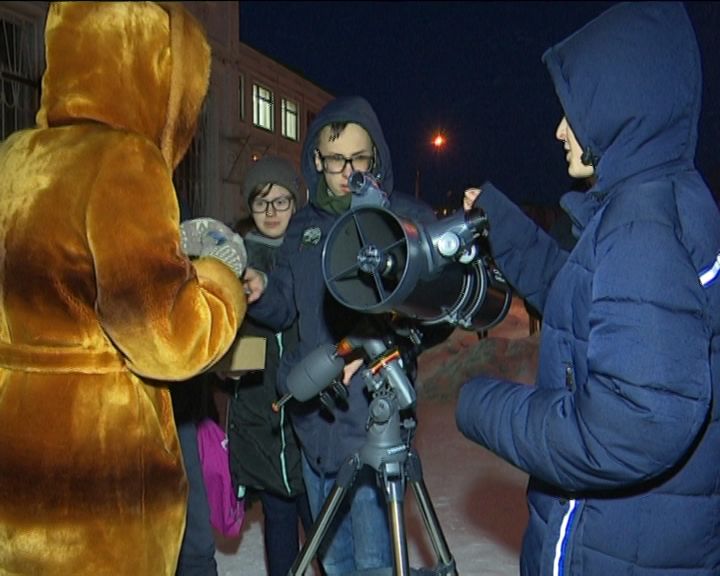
438,142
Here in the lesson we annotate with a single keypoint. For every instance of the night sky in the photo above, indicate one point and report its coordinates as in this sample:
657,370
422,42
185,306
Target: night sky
469,69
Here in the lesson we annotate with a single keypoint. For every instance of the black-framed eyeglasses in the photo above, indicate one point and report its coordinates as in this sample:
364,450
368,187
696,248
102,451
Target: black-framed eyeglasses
335,163
279,204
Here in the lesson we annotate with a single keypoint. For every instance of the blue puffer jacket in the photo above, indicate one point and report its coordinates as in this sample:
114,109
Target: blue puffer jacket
620,434
296,288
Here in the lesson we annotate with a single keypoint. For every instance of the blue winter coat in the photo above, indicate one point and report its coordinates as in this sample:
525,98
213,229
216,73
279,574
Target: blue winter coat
296,289
620,434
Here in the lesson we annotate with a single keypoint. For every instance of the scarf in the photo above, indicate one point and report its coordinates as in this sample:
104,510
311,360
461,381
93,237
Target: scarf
328,202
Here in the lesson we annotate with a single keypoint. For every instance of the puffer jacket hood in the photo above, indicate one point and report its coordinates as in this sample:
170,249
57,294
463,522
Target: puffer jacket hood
632,100
358,111
149,73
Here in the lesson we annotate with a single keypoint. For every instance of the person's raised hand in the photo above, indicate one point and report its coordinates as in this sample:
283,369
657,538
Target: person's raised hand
254,282
350,368
469,198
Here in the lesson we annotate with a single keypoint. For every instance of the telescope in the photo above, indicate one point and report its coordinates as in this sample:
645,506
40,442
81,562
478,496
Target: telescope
375,261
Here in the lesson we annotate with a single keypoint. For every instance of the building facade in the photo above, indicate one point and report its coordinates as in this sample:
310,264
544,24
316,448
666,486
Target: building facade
255,105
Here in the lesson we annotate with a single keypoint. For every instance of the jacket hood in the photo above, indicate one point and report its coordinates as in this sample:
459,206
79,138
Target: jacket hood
136,66
347,109
630,85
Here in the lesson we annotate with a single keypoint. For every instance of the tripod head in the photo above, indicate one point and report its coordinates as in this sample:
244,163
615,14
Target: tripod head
384,376
386,447
385,366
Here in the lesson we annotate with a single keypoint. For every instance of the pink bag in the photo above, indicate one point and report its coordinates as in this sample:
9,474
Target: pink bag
226,511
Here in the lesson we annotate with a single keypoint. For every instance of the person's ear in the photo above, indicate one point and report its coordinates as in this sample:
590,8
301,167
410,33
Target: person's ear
318,160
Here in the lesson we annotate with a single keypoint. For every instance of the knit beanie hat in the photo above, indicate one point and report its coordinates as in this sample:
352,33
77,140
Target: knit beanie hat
272,169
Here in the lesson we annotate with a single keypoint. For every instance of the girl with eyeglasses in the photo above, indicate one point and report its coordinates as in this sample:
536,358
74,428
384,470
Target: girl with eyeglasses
264,455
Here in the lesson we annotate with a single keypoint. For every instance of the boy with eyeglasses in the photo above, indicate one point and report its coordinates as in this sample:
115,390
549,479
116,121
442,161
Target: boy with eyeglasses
345,136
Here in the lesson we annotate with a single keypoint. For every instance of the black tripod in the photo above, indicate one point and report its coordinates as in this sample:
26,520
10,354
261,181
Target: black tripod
395,463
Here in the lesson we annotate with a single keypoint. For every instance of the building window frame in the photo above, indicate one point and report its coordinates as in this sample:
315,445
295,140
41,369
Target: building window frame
263,107
189,177
290,119
241,96
20,71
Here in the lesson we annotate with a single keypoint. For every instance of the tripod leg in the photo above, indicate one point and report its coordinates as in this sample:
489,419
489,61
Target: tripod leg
345,479
394,494
432,525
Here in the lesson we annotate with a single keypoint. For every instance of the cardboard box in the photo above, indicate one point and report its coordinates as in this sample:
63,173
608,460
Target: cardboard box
246,353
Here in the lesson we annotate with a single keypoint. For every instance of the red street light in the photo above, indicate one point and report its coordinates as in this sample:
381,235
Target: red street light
438,142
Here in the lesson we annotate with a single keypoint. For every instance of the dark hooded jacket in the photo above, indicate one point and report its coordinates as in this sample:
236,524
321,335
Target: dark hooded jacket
296,290
263,450
620,435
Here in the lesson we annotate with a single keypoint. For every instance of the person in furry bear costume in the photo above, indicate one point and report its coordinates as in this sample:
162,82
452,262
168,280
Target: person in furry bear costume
98,303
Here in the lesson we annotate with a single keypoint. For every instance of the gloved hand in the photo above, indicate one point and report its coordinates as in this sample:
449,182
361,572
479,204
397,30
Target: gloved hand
366,191
205,237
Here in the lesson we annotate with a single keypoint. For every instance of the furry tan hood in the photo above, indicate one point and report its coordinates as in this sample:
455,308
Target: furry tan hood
140,66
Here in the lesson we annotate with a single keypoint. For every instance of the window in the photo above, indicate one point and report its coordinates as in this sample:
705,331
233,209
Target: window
241,96
189,176
290,119
263,107
20,64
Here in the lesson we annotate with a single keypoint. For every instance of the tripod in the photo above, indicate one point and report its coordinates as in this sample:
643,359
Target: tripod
395,463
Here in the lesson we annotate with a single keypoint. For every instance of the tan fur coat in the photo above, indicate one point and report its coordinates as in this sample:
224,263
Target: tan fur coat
97,303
